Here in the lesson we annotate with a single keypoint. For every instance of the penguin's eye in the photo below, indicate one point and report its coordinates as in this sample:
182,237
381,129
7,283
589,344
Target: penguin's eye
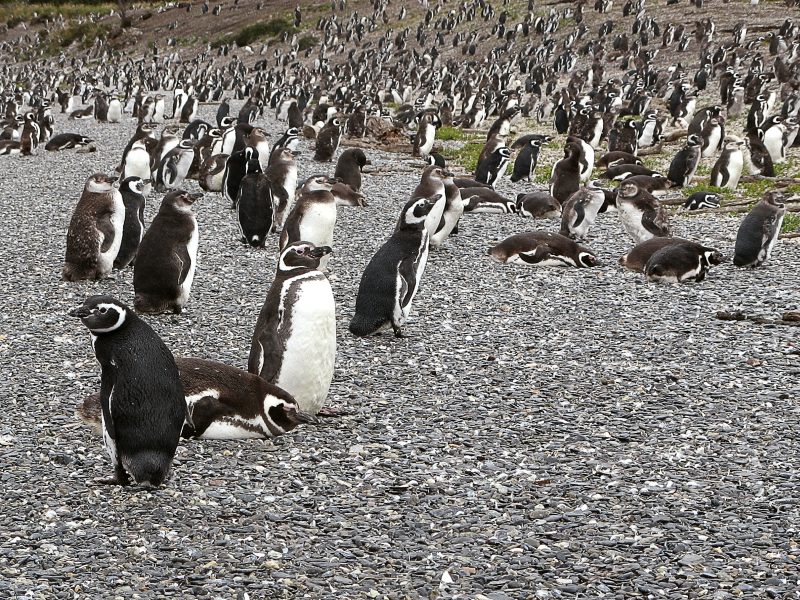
103,310
300,250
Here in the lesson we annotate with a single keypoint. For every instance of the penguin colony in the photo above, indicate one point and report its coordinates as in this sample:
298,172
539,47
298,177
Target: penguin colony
606,124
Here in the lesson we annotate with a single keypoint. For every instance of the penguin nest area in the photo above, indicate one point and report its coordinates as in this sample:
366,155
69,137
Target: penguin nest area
541,433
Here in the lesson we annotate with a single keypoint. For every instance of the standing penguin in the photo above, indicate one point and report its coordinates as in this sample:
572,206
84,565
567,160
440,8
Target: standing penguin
143,406
426,134
294,342
391,279
493,167
175,166
313,216
328,140
137,164
235,170
453,209
349,165
580,211
565,178
641,214
254,209
525,163
684,165
167,256
713,136
282,174
728,168
132,190
95,230
759,231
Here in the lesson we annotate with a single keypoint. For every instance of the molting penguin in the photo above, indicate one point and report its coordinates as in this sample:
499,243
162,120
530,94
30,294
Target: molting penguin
235,170
391,279
167,256
453,209
580,211
542,249
641,213
728,168
211,173
95,230
759,231
282,174
636,259
565,178
132,191
294,342
141,396
610,159
349,165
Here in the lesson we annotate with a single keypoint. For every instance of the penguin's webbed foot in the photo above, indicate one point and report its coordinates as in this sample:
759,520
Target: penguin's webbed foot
120,478
398,332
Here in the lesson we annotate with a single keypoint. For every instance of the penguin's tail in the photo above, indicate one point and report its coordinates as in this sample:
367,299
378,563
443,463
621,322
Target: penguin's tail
362,326
89,411
148,467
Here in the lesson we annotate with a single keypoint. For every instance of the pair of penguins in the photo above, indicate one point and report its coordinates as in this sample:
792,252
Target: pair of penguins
107,231
148,399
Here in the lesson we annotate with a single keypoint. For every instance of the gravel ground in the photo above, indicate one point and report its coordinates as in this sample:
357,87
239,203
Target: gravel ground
542,433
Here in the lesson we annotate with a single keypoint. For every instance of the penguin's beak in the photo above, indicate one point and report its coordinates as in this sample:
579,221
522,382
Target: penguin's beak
79,312
111,178
321,251
195,196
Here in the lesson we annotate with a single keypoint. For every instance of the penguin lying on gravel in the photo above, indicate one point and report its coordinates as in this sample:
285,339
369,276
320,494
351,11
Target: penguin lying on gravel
543,249
683,261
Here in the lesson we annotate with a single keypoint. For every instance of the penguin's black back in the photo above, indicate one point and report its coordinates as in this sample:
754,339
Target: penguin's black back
132,229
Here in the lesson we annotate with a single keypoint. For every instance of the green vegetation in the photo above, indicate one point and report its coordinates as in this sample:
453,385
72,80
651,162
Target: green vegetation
756,188
791,222
450,134
306,42
14,13
467,155
727,195
256,31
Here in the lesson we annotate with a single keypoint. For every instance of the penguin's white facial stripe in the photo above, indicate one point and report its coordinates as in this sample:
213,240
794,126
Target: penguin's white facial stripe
103,309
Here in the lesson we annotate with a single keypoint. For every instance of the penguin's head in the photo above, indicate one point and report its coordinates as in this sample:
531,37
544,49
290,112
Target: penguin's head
416,210
319,182
100,183
302,255
627,189
181,200
587,259
102,314
503,152
85,140
227,121
134,184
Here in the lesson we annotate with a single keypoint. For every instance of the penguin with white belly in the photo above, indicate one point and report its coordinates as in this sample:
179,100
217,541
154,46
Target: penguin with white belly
282,174
137,164
294,342
175,166
580,211
167,257
133,230
728,168
640,213
95,230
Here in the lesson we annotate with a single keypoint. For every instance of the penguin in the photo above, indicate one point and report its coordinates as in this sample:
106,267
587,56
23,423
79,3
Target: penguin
426,134
290,139
223,110
254,206
313,216
141,395
432,184
189,110
144,133
758,160
349,166
565,177
257,138
282,174
169,139
95,230
579,212
640,213
636,259
211,173
132,191
655,184
196,130
586,160
624,137
100,108
65,141
486,200
137,164
538,205
623,171
235,170
684,164
543,249
294,342
676,263
526,161
773,138
700,200
453,209
167,257
759,231
392,277
713,136
491,169
728,168
434,158
114,113
175,166
328,140
610,159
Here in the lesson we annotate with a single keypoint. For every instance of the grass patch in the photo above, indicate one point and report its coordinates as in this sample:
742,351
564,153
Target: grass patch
451,134
791,222
256,31
725,193
757,188
467,155
84,33
14,13
306,43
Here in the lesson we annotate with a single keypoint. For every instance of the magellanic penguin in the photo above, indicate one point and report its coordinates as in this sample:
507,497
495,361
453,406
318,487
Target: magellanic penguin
349,166
313,216
580,210
254,206
137,164
538,205
294,342
610,159
141,396
393,275
637,257
676,263
728,168
175,166
526,161
640,213
759,231
328,140
235,170
586,160
453,209
167,256
432,184
542,249
95,230
426,134
132,190
566,175
64,141
684,165
211,173
282,174
493,167
700,200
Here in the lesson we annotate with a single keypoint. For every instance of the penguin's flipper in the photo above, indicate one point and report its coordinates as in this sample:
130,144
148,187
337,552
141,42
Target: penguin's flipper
172,169
106,229
184,262
580,213
538,255
655,222
407,275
